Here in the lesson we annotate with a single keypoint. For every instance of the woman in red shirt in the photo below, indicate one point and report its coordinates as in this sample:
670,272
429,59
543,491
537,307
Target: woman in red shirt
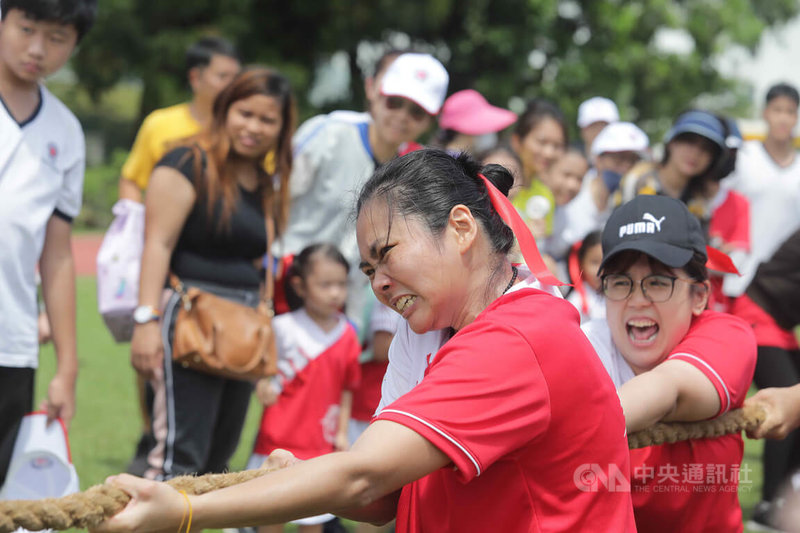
515,425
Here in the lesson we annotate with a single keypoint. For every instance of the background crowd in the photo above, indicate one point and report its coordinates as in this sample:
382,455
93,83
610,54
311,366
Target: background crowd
211,169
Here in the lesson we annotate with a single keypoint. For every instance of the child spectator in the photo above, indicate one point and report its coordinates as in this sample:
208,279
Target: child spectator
468,123
564,179
308,404
584,264
565,176
42,158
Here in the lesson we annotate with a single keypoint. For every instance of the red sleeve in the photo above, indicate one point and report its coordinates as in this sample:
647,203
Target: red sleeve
483,397
723,347
731,221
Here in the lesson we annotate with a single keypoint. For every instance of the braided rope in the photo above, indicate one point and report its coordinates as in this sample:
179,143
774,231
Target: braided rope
89,508
735,421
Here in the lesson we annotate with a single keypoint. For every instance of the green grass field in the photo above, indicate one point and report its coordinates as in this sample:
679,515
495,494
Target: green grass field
107,423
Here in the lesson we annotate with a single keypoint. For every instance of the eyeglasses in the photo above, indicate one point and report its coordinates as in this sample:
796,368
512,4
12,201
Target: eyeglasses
656,287
415,111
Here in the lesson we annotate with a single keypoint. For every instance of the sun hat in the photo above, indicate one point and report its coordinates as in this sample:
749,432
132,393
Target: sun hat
419,77
468,112
597,109
659,226
620,137
41,465
700,123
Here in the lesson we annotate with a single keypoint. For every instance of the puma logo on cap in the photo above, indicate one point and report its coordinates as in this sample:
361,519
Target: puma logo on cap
649,224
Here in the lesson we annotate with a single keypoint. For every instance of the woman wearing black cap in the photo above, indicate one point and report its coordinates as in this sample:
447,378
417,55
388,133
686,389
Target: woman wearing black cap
672,360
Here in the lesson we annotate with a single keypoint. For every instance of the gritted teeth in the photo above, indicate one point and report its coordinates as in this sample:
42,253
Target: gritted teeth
404,302
641,323
642,330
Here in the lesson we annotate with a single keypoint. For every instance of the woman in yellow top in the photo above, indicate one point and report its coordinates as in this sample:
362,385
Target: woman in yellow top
539,138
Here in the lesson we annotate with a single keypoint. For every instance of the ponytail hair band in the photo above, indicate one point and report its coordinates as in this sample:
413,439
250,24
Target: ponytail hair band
527,244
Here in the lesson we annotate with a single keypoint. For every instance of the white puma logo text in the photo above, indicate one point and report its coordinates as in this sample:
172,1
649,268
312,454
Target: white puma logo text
651,218
650,224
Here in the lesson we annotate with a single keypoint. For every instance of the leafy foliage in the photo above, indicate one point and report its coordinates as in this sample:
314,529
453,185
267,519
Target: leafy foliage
566,51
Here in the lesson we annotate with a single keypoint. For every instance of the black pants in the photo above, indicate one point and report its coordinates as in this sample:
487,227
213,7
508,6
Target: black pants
777,367
16,399
198,419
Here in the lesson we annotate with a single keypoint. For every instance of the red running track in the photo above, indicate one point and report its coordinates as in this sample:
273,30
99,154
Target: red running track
84,252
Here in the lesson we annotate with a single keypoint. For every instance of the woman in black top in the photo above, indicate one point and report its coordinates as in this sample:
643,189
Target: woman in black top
204,222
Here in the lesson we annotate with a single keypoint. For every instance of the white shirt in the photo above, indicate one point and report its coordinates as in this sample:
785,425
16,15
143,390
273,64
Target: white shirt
596,304
599,335
581,216
41,173
774,196
332,161
410,353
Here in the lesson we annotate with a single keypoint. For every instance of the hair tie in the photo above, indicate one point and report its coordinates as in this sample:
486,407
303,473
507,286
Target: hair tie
720,261
527,244
575,276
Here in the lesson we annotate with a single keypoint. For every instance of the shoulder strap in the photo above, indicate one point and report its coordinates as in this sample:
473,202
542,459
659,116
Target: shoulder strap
269,225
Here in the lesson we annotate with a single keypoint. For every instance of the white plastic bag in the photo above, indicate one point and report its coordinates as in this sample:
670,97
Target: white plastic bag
41,465
118,264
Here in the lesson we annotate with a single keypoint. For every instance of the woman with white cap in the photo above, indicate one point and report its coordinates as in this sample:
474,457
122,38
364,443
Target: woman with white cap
335,154
672,361
614,153
594,115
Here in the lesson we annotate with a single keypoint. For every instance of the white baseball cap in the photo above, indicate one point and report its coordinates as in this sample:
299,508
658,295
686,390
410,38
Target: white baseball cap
620,137
597,109
419,77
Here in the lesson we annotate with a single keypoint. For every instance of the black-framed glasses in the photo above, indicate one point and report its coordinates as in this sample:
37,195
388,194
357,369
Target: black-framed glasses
656,287
414,110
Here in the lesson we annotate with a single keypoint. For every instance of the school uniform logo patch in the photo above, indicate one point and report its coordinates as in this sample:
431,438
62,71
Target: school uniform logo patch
52,151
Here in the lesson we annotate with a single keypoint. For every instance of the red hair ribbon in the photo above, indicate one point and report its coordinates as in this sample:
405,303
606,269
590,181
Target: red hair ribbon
527,244
576,276
720,262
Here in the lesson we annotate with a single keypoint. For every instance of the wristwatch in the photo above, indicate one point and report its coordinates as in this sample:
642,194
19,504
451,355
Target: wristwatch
145,313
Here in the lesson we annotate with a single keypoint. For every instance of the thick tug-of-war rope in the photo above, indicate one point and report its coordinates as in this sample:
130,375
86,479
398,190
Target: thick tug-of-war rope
734,421
89,508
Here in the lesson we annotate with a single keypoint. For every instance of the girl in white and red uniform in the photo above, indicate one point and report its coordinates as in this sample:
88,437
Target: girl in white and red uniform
308,402
673,361
514,426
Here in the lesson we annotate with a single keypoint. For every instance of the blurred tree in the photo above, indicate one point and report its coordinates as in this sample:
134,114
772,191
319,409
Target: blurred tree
565,51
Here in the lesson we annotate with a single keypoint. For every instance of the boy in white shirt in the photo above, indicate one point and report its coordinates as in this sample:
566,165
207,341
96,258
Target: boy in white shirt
41,178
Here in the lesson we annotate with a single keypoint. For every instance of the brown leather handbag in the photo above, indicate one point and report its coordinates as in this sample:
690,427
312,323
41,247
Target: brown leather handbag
225,338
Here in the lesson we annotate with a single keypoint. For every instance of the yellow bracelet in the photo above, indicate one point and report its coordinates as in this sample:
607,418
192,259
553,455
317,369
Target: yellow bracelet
189,504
